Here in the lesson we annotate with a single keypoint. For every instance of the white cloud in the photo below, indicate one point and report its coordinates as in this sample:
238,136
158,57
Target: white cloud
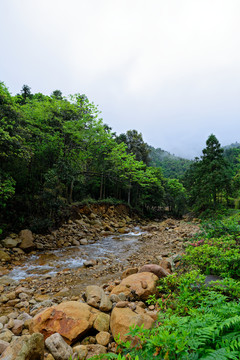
167,68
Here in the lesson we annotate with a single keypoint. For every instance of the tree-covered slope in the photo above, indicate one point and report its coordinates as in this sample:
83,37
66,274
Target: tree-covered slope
56,150
172,166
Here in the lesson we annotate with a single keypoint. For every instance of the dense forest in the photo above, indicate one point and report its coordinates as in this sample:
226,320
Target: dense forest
56,151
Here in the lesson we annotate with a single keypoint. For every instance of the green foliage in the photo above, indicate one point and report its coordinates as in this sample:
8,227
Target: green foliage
208,178
172,166
210,328
231,155
56,151
114,356
218,228
215,250
176,197
7,188
135,145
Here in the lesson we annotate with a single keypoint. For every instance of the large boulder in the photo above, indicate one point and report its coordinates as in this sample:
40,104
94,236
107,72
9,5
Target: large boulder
141,285
123,318
70,319
26,238
25,348
159,271
58,347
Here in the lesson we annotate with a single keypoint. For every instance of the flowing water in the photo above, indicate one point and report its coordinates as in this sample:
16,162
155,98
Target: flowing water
50,262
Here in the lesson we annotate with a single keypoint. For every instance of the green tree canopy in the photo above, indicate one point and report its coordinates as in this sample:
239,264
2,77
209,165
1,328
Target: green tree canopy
208,179
135,145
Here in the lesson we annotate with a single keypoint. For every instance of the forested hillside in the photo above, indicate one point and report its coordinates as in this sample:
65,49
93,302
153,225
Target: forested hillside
56,151
171,165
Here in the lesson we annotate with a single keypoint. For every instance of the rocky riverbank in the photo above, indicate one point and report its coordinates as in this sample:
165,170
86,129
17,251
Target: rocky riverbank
81,310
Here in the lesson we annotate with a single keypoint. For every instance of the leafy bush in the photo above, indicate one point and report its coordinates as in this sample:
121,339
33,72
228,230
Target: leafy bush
215,256
221,227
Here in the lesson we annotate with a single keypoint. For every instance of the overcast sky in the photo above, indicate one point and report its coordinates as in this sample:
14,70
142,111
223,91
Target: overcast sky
167,68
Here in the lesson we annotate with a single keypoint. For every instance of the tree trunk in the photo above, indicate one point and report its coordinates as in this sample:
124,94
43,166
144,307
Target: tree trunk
70,199
101,187
129,193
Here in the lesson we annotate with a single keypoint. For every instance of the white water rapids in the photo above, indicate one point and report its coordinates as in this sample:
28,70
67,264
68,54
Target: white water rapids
117,246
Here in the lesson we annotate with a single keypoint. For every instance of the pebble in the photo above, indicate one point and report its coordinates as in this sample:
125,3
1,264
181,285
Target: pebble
122,304
122,296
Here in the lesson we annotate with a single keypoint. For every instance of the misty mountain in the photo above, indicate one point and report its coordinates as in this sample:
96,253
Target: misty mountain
172,166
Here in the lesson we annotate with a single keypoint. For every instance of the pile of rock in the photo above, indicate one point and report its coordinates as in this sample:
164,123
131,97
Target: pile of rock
80,328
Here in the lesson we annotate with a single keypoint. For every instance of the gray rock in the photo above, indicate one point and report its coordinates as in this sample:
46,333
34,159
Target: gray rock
10,243
27,243
6,335
24,316
81,351
59,349
97,298
4,319
122,296
93,295
83,242
27,347
105,304
95,349
114,298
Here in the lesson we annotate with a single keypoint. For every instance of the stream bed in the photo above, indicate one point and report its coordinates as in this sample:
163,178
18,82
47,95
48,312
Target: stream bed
117,246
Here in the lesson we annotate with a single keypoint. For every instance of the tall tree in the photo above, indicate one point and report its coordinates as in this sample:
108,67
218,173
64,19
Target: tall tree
135,145
208,179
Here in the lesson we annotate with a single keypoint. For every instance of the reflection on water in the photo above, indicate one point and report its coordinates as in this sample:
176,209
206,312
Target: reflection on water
51,262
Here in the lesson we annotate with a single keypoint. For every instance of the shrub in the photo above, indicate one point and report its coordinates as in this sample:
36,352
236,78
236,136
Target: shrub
215,256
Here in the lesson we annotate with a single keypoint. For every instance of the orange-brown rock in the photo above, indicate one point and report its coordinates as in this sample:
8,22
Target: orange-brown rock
166,264
122,230
70,319
159,271
128,272
141,284
122,318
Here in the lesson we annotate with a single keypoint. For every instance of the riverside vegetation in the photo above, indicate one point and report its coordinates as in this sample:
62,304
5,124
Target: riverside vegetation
56,153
